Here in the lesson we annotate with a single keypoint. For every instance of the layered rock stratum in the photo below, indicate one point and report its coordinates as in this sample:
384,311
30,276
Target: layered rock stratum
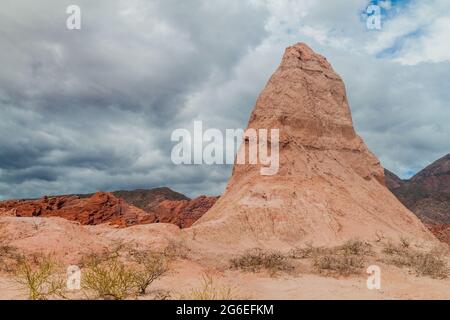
329,188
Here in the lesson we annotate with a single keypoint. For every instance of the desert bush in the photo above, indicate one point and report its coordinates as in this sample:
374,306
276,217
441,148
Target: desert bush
209,290
356,248
150,266
430,263
39,276
116,275
306,253
338,263
351,247
342,260
108,278
256,260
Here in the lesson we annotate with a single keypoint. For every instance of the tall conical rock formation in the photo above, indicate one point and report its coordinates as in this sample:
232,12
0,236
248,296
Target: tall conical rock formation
329,187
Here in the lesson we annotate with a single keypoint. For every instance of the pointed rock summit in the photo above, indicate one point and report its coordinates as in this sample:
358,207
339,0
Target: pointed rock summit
329,187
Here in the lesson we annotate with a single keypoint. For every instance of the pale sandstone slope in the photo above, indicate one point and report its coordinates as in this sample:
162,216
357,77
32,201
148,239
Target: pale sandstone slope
330,187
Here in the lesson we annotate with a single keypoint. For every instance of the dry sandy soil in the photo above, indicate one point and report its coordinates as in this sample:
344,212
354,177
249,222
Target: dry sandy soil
187,271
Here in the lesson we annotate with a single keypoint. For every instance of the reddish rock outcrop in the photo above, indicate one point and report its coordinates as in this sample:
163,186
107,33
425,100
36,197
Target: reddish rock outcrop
329,188
184,213
100,208
105,207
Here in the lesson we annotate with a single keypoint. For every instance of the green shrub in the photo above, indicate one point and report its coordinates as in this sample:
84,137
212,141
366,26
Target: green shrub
109,279
111,276
39,276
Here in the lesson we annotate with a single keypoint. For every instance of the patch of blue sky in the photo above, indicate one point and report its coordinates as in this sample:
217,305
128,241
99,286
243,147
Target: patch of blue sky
408,174
393,50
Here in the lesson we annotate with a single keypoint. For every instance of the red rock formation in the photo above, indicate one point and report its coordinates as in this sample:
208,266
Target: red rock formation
100,208
184,213
106,208
329,188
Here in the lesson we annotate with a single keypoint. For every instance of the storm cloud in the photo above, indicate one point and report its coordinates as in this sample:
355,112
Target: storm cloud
93,109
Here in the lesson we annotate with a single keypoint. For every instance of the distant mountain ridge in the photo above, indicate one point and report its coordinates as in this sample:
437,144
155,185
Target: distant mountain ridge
427,194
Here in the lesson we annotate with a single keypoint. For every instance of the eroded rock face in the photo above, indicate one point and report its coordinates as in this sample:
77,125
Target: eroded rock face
184,213
101,207
329,188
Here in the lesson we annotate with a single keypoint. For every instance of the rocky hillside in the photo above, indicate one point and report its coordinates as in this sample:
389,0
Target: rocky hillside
427,194
99,208
120,208
149,199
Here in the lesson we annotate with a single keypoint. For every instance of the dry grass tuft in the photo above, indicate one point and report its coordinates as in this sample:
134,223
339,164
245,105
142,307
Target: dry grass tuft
256,260
430,263
209,290
343,260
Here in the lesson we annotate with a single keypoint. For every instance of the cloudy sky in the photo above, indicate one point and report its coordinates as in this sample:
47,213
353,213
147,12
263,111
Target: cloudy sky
93,109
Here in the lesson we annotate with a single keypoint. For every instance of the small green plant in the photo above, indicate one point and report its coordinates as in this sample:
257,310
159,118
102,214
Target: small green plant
209,290
256,260
39,276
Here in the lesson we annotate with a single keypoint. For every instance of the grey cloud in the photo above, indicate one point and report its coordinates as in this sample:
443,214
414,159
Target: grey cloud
94,109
